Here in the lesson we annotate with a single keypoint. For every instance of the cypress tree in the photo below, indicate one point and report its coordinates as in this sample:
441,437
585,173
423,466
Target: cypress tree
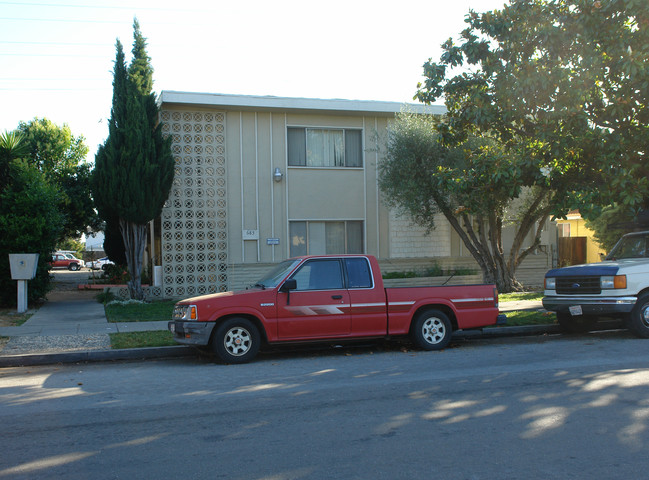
134,168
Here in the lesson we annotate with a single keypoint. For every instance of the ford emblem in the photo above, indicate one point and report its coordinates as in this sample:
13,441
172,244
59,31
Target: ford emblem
575,285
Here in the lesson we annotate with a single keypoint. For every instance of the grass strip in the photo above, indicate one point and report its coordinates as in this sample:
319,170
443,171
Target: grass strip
139,312
10,318
141,340
530,317
513,297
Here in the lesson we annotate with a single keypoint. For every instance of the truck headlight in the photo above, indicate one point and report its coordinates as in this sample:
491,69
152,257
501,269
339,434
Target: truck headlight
550,283
185,312
613,282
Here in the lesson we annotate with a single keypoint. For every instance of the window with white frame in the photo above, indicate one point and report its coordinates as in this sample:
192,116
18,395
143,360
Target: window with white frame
324,147
563,229
324,238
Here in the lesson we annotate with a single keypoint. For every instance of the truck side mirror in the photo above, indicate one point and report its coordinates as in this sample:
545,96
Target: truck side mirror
287,286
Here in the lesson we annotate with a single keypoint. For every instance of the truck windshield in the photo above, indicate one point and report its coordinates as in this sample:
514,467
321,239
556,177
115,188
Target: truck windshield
631,246
277,274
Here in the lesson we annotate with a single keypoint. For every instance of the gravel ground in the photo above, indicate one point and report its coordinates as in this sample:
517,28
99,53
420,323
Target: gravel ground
55,344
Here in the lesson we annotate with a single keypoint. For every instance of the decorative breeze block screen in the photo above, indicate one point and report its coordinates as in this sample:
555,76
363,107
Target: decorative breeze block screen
194,219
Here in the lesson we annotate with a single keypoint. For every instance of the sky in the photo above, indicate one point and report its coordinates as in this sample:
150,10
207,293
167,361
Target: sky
56,56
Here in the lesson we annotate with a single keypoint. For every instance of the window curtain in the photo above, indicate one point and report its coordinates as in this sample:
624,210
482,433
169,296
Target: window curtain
325,148
296,147
335,233
355,237
353,148
297,232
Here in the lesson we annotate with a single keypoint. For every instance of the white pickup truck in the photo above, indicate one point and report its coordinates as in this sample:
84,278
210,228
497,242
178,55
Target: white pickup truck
618,287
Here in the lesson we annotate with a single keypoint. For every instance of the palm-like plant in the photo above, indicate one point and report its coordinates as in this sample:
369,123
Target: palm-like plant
12,146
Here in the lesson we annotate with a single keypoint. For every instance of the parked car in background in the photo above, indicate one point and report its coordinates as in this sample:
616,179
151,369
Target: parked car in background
66,260
100,263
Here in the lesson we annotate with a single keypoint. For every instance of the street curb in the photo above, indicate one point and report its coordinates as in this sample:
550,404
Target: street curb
496,332
28,360
96,356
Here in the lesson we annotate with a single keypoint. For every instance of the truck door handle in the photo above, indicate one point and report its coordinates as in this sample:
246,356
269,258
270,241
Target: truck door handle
336,297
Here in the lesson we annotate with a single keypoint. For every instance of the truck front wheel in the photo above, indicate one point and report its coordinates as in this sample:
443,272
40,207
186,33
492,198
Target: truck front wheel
431,330
236,340
638,320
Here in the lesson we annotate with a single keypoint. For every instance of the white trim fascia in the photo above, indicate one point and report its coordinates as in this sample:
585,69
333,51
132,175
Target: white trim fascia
253,102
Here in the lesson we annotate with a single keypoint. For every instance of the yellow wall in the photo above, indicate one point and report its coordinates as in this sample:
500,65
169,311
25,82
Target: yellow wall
578,229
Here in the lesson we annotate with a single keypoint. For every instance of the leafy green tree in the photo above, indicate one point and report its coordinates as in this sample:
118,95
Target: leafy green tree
562,81
61,157
30,220
478,186
72,245
134,168
560,87
54,150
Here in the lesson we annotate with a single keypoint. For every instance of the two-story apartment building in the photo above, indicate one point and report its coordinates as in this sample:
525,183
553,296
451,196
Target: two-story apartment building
261,179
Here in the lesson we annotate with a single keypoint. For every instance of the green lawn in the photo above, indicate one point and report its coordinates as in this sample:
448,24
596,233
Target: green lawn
140,312
141,340
511,297
530,317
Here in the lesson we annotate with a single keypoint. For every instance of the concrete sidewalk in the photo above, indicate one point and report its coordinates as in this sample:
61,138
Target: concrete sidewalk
75,313
71,326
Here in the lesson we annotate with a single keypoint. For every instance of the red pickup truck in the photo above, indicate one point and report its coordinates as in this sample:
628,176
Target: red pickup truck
325,298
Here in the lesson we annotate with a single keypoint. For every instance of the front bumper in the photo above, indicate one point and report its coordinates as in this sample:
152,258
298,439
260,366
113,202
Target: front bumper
589,305
191,333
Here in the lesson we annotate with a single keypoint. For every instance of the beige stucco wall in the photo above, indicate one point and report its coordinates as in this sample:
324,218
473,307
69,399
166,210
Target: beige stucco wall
256,145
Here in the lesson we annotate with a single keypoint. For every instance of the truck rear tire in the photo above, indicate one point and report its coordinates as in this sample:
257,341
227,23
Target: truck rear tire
638,319
431,330
570,324
237,340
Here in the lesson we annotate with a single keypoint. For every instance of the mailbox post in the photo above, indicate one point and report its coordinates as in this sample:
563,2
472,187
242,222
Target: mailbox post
23,268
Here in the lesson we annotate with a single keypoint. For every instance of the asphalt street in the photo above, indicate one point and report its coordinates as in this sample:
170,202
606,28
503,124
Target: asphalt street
551,407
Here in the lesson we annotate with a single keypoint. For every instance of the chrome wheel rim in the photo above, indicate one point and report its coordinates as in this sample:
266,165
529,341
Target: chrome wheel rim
433,330
237,341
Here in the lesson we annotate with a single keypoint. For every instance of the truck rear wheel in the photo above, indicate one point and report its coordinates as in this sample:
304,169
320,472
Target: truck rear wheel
237,340
638,320
431,330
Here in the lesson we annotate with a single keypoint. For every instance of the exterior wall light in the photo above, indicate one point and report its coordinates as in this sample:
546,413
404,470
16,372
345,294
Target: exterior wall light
278,175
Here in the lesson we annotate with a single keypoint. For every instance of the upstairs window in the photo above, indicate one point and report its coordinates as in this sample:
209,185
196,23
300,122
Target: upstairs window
321,147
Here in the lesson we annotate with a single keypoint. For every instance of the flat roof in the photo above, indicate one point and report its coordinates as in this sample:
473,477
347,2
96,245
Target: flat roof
257,103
